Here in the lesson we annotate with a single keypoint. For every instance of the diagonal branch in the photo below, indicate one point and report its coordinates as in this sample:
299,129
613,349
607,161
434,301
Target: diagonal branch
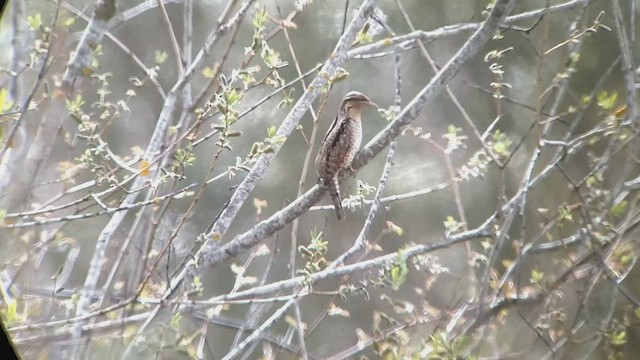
155,144
337,58
283,217
450,30
481,231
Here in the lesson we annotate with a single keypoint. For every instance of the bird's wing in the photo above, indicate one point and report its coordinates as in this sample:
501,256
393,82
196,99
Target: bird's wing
325,146
334,149
333,126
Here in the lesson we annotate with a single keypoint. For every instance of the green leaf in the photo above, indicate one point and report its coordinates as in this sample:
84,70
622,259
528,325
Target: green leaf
395,228
75,105
536,276
271,131
161,56
34,22
607,101
233,97
68,22
5,104
618,338
399,272
619,209
259,19
363,36
208,73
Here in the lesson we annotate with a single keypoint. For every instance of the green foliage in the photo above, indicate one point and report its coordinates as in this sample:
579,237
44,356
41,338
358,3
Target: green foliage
273,137
226,103
35,22
247,76
565,214
42,40
536,277
476,166
75,108
272,58
240,165
5,104
267,146
161,56
196,285
619,209
607,101
363,190
184,157
389,113
398,272
494,55
393,228
273,62
68,22
617,336
452,225
95,63
440,346
500,144
287,98
622,259
314,255
241,278
259,19
208,72
9,311
363,36
455,140
10,315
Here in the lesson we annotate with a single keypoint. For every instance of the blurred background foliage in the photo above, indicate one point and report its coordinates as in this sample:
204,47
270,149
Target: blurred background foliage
576,319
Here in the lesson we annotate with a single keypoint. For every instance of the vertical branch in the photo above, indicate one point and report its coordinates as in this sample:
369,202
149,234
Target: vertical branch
180,64
361,240
9,159
293,251
627,63
155,143
203,256
40,147
17,48
471,47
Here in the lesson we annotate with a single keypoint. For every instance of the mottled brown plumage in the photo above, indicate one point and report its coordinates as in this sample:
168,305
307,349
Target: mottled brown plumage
341,144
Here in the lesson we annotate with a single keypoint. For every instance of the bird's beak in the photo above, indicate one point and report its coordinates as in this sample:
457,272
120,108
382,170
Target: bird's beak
370,103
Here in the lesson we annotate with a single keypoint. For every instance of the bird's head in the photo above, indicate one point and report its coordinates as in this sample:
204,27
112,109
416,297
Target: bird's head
354,101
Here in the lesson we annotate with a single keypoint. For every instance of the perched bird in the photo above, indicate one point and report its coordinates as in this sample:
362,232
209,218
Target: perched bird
341,144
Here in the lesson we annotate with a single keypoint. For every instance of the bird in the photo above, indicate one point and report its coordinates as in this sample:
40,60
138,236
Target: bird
340,145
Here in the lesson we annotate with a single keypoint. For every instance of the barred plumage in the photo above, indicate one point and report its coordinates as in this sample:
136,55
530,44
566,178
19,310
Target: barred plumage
341,144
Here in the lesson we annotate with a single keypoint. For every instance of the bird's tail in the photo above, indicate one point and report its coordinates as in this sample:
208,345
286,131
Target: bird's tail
334,191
